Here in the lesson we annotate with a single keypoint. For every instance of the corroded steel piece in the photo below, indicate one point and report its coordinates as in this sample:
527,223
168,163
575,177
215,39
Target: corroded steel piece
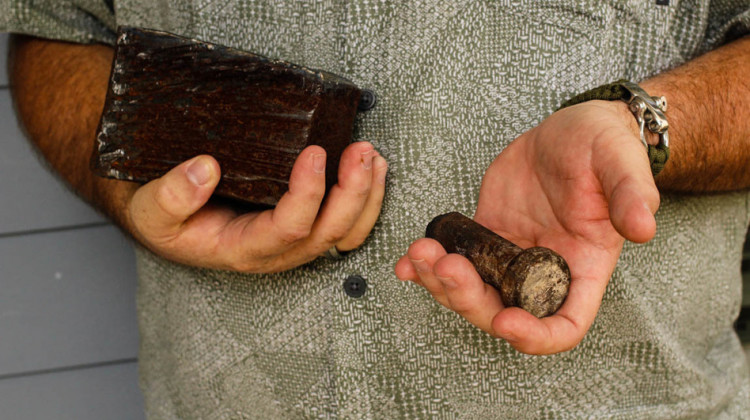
536,279
172,98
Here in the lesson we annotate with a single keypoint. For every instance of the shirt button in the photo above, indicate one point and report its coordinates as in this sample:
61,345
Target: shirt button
367,100
355,286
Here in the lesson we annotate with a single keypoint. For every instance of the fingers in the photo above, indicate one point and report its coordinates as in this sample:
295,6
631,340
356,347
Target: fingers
298,230
253,242
591,267
422,256
405,270
159,209
293,217
466,293
371,211
352,206
554,334
452,281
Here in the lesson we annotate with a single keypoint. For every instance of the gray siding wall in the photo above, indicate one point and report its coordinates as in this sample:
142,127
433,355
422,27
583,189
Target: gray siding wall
68,334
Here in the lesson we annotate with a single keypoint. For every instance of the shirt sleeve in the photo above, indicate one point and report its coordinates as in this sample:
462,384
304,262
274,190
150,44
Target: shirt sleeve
83,21
728,20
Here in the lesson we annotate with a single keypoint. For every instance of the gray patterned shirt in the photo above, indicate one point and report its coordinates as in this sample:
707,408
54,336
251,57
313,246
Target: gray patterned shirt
457,81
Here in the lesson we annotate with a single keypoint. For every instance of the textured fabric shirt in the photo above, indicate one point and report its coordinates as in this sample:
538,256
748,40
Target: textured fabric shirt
457,81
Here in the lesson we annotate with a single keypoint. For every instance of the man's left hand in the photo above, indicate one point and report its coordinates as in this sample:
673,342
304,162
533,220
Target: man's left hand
580,184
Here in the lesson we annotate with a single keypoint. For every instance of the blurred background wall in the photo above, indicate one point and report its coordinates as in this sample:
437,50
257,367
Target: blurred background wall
68,334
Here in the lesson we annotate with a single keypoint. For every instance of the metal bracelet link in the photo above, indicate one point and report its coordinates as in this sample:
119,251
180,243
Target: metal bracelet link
649,112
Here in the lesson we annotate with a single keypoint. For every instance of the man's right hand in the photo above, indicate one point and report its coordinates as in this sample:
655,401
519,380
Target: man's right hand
172,217
59,89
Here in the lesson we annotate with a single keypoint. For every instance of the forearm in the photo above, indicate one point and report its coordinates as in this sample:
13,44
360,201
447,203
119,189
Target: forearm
59,90
709,121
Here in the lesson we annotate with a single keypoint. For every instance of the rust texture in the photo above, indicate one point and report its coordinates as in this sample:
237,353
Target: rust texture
171,98
536,279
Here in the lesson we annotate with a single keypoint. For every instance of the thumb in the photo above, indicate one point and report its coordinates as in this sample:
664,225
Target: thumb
631,192
158,209
632,208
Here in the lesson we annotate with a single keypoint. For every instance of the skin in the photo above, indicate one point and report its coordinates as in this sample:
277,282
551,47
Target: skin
586,187
582,173
59,90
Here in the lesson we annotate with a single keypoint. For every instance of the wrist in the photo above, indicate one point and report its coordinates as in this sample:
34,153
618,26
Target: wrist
113,198
648,111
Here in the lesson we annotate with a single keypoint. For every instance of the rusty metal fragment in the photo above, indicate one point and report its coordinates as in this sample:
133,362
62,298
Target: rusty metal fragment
536,279
171,98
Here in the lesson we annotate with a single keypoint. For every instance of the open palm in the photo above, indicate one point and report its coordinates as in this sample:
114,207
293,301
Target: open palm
580,184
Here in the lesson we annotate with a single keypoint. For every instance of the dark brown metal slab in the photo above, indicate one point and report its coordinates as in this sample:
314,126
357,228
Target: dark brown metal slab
172,98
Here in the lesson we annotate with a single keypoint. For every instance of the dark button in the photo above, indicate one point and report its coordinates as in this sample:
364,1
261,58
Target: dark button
355,286
367,100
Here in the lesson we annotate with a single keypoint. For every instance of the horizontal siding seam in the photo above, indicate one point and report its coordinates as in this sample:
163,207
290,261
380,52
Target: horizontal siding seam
82,226
17,375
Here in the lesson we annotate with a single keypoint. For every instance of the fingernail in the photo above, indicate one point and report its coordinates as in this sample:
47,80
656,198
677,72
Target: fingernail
199,172
420,265
448,282
319,163
367,159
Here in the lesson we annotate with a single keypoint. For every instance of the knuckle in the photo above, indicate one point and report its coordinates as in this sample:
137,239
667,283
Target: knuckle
525,349
315,194
357,190
334,235
414,249
311,193
362,192
294,234
146,230
165,198
462,306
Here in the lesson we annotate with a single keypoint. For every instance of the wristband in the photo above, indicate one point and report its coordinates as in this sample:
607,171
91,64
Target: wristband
648,111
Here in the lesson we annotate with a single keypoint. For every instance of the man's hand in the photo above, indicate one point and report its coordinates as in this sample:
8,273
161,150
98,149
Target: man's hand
59,90
170,215
580,184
